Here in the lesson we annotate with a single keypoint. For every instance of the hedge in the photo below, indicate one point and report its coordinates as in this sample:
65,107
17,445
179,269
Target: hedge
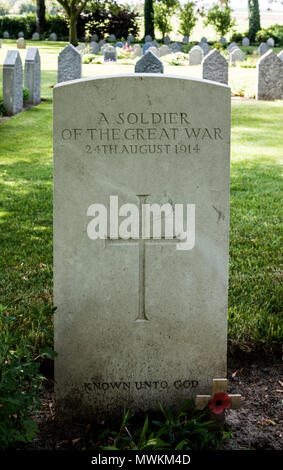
27,24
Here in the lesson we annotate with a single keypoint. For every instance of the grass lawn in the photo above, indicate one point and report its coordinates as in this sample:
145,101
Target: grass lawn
26,210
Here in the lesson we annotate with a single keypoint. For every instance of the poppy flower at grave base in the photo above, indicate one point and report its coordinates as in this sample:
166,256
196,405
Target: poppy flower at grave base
220,402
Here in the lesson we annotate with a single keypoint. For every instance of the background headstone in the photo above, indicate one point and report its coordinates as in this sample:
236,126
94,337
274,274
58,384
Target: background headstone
196,55
101,43
223,40
245,42
130,39
270,42
110,54
119,44
32,75
155,51
176,47
236,55
21,43
148,38
263,48
111,38
53,37
269,84
35,37
164,50
69,64
231,45
137,50
81,47
146,46
13,83
215,67
109,358
6,35
205,47
21,34
94,38
185,39
149,63
94,47
166,40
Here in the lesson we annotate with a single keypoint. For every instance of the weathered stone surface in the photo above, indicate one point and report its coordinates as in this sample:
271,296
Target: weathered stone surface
53,37
236,55
69,64
175,47
263,48
280,55
6,35
110,54
215,67
269,77
94,47
270,42
149,63
245,42
35,37
21,43
166,40
111,38
138,321
137,50
146,46
130,39
13,83
196,55
205,47
155,51
32,75
164,50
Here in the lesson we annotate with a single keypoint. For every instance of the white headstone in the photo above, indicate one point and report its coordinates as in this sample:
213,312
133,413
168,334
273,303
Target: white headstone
81,47
137,50
236,55
139,320
94,38
205,47
269,77
94,47
233,44
35,37
263,48
13,83
155,51
110,54
148,38
130,39
164,50
270,42
149,63
215,67
53,37
280,55
6,35
196,55
166,40
69,64
32,75
21,34
111,38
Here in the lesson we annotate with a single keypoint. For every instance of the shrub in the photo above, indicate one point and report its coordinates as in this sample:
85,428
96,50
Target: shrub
275,31
20,384
26,94
104,22
238,37
220,18
27,24
188,19
2,107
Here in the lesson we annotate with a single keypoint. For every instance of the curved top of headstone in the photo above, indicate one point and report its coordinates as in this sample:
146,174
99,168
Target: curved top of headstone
111,38
148,38
149,63
233,44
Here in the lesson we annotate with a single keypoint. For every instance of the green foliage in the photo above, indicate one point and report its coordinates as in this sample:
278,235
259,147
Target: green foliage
163,11
20,384
254,18
27,8
220,18
171,429
4,7
2,107
148,18
188,18
238,37
26,94
104,22
275,31
27,24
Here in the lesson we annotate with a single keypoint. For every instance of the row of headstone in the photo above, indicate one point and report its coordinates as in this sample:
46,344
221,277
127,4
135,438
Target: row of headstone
235,53
35,36
13,80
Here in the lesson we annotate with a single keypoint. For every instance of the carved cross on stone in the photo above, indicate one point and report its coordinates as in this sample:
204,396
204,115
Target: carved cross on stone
218,385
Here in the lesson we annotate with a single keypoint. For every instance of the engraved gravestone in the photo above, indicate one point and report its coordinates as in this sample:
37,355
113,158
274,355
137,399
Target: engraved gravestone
141,217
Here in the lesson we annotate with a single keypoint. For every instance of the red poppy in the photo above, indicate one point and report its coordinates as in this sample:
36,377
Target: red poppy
220,402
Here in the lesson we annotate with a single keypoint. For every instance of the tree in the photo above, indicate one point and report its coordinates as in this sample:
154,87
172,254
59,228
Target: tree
188,18
219,16
73,9
163,10
40,16
254,18
148,18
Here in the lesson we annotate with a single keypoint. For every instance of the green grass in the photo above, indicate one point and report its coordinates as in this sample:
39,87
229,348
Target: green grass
26,211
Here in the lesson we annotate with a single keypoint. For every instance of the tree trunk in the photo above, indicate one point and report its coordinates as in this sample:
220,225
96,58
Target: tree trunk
73,38
148,18
40,16
254,18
